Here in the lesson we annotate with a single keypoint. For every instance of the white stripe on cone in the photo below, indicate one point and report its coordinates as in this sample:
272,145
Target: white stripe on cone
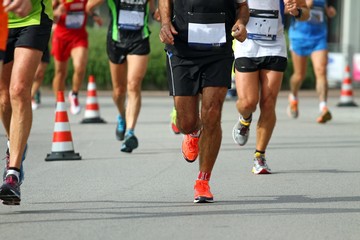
62,127
62,146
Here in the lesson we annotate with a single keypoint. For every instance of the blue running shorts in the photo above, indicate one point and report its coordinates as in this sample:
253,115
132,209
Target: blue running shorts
306,47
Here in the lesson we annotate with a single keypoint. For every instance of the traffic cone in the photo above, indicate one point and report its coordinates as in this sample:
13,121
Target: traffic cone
92,114
346,97
62,146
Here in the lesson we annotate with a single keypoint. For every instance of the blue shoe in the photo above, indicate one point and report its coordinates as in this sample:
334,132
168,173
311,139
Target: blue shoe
22,172
129,144
120,128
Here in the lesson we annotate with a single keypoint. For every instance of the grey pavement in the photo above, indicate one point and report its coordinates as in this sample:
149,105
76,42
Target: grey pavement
314,192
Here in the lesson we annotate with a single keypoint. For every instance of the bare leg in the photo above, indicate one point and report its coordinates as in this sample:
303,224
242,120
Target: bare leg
19,126
247,87
119,81
299,67
211,135
61,69
137,65
270,87
319,61
79,57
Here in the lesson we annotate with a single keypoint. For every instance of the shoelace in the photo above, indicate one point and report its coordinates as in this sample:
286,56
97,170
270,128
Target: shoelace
203,187
192,143
243,130
261,161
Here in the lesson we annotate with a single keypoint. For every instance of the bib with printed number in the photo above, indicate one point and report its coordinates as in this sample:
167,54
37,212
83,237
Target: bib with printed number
263,24
131,16
206,30
74,20
316,15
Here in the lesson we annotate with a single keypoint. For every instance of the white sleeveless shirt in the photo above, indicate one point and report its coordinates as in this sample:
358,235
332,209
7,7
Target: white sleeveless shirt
265,31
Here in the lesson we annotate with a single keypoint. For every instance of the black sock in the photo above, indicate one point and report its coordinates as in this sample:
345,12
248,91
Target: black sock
262,152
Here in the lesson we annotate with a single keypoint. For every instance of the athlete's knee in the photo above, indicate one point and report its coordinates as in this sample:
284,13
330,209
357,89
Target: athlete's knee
187,123
19,92
246,105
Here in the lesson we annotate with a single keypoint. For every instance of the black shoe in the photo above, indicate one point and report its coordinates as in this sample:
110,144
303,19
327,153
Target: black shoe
130,144
10,191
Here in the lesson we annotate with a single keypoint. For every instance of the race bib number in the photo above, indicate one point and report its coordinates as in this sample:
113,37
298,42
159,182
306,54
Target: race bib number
263,25
316,16
131,20
203,32
74,20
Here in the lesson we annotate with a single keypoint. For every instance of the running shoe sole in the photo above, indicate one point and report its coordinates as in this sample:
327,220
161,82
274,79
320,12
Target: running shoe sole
188,160
262,171
9,197
327,117
203,200
130,144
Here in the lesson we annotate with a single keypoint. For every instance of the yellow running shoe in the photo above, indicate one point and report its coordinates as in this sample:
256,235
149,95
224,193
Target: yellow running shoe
173,126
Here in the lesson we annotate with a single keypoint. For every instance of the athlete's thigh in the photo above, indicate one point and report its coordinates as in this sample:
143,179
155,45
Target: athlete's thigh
299,64
137,66
26,61
319,60
118,75
270,83
247,86
79,57
213,99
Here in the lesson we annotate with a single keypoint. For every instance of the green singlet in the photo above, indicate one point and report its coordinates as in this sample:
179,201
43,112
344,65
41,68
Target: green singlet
41,12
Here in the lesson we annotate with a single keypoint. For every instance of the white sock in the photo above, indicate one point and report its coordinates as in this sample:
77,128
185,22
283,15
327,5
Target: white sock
13,172
322,105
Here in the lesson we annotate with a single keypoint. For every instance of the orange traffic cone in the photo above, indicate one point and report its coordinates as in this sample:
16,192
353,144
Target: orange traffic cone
346,97
62,146
92,114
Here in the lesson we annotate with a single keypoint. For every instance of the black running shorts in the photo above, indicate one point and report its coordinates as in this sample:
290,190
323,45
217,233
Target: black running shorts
274,63
2,55
188,76
117,52
36,37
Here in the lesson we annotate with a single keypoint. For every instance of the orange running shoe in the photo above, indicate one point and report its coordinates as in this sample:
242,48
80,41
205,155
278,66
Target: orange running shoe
190,148
202,192
292,109
325,116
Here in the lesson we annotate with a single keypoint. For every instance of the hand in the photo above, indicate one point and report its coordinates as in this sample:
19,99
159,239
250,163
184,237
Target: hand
20,7
330,11
156,15
99,21
239,32
291,7
167,33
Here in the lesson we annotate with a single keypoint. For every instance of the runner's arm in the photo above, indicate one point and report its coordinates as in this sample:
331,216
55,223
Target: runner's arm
242,17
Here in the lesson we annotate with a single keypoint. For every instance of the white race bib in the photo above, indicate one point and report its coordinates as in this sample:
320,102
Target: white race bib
131,20
211,34
263,24
74,20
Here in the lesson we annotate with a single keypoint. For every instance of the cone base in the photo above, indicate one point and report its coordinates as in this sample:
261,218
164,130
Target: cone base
93,120
348,104
71,155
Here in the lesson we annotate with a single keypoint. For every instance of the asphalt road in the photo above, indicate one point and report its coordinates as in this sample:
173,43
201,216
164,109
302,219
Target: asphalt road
314,192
